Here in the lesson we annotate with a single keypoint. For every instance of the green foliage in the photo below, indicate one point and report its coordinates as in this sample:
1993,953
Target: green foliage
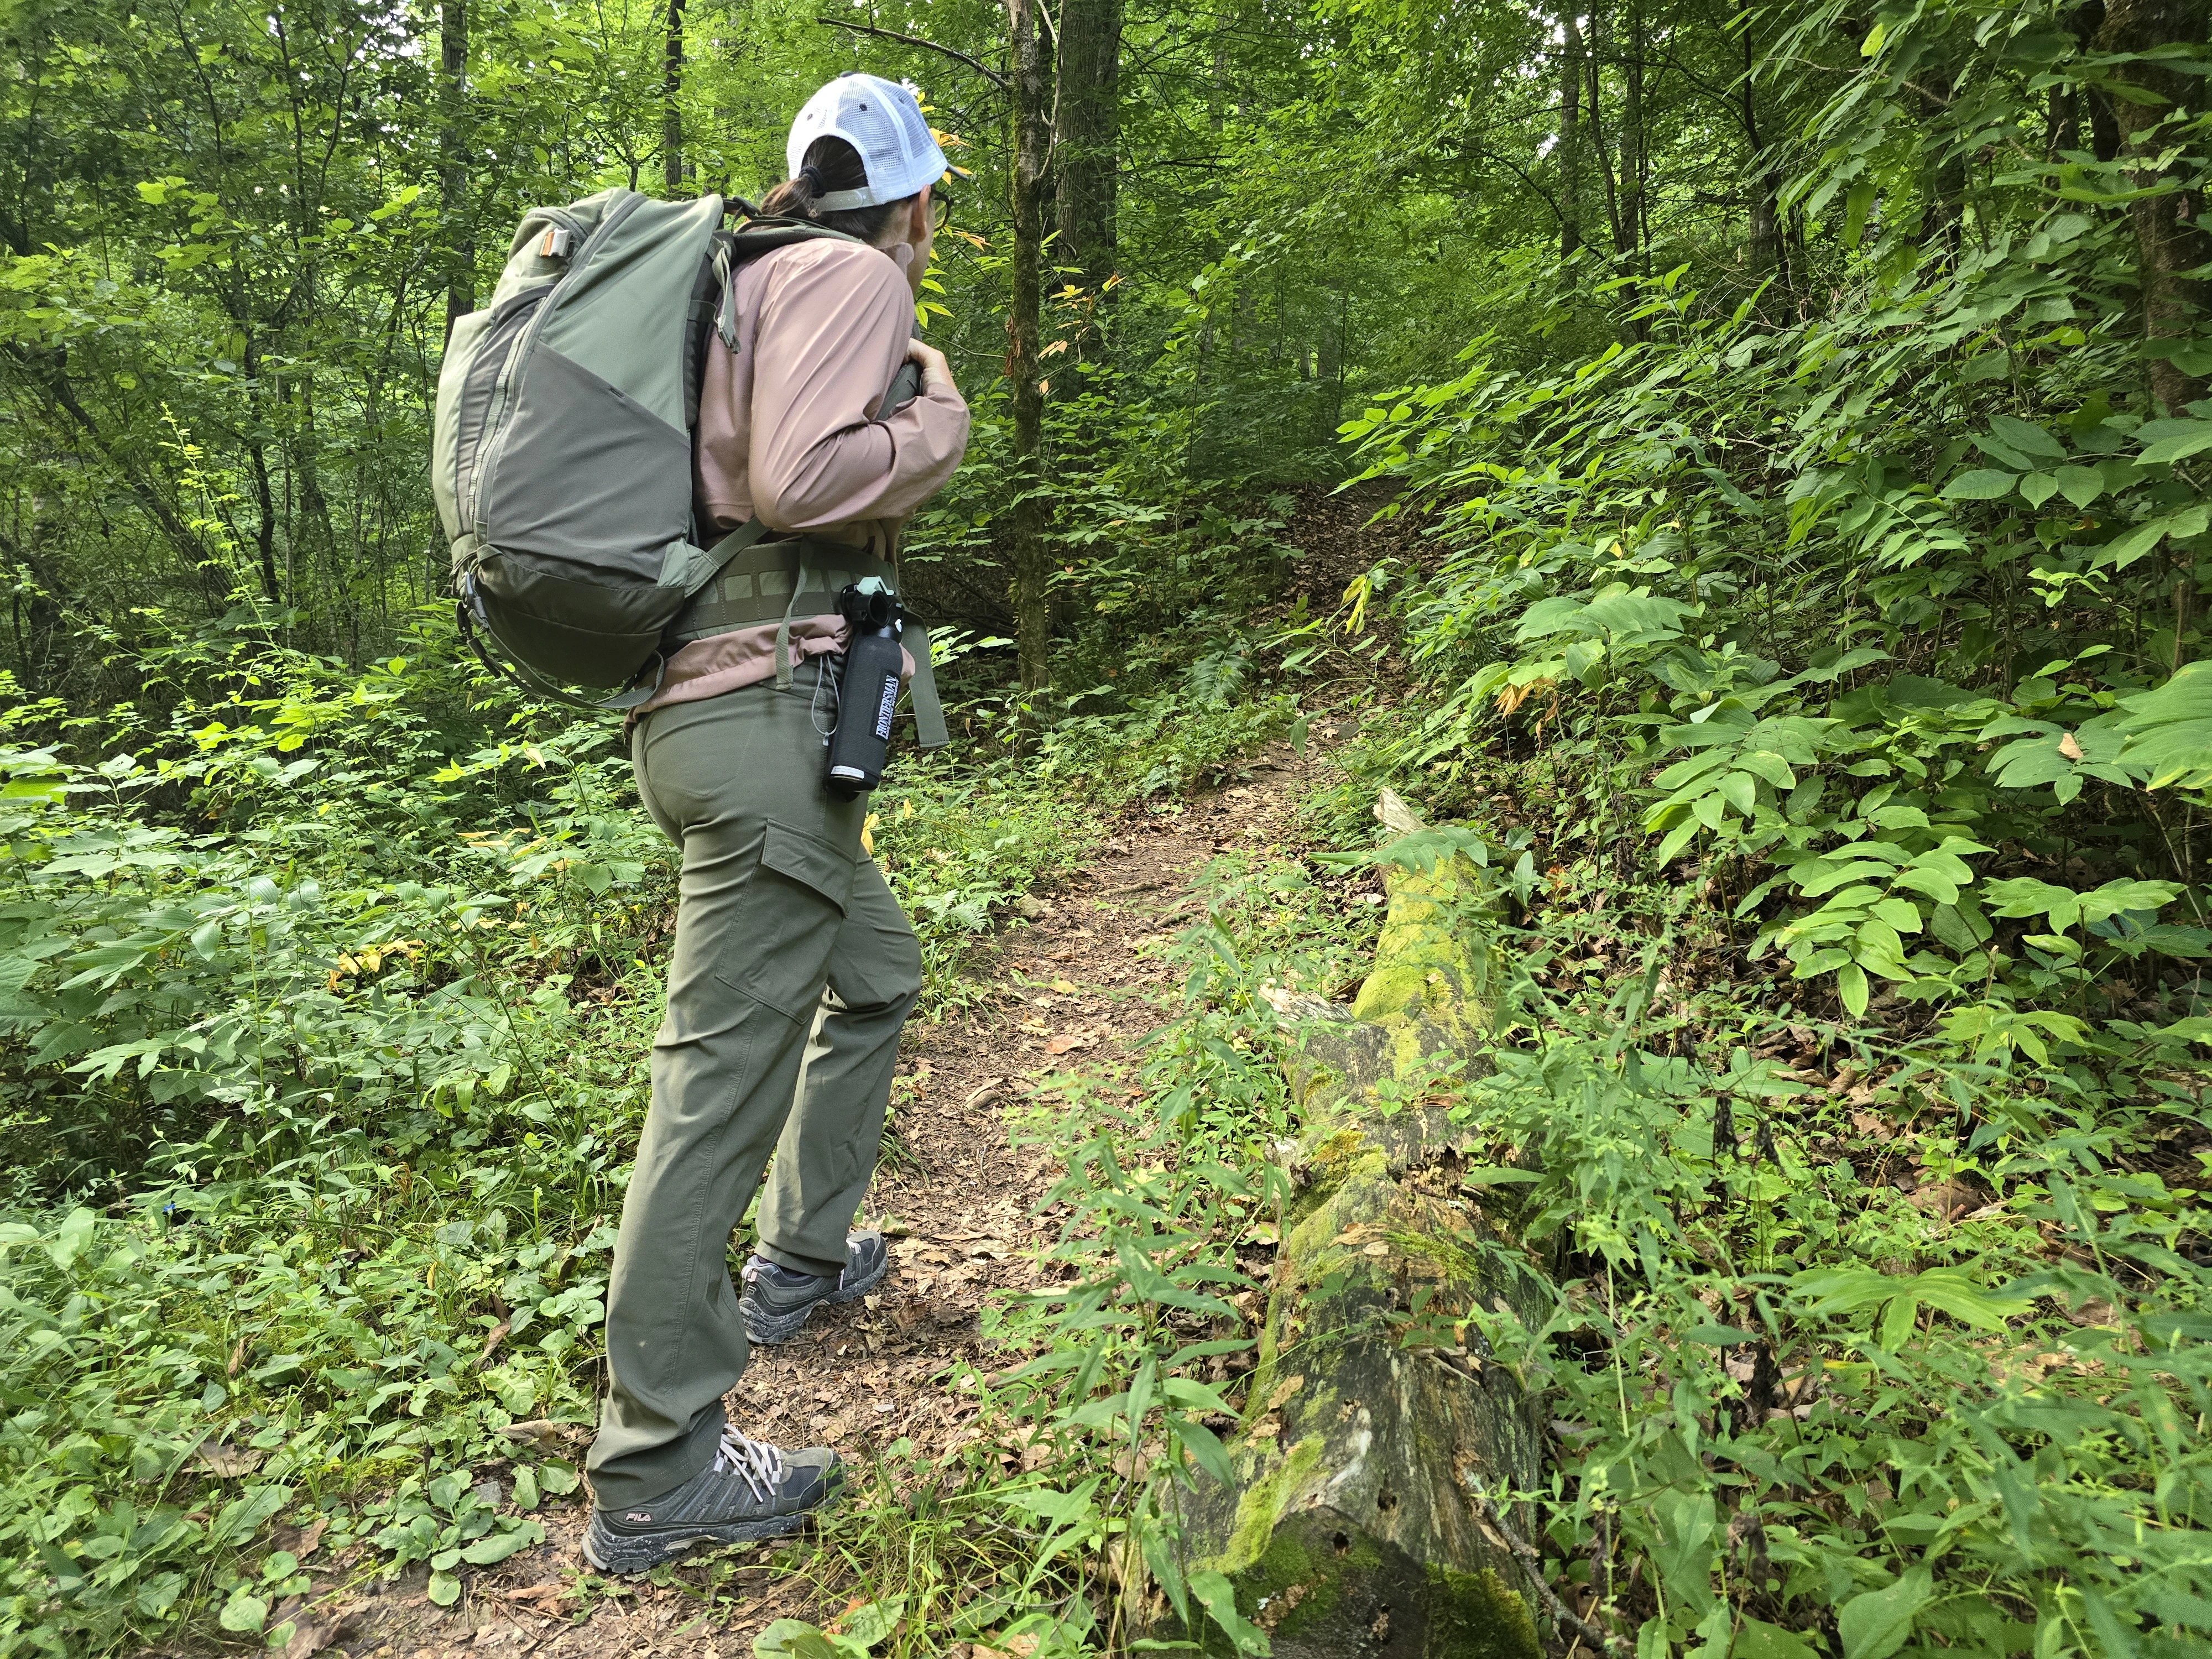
1792,1409
1931,1449
280,979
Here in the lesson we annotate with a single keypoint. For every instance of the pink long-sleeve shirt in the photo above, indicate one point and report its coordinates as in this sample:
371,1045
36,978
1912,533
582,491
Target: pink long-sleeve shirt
787,428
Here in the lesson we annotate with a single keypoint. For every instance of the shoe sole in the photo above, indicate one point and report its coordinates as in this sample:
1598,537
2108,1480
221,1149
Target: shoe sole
771,1330
618,1552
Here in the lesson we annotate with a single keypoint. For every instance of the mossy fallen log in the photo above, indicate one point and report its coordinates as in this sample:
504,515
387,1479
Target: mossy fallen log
1351,1529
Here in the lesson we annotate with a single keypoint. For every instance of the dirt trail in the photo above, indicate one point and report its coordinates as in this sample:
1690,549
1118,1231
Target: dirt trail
1071,988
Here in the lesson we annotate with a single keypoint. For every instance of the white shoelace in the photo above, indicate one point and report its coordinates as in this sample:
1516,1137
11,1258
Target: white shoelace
760,1465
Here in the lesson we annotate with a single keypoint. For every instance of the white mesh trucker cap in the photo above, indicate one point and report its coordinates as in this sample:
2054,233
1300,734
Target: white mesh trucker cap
882,120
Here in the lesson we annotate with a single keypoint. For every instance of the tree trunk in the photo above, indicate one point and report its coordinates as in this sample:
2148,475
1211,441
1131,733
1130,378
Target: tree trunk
1031,80
2169,244
1601,44
1354,1526
44,659
1634,149
1086,147
1570,135
453,160
672,89
1767,250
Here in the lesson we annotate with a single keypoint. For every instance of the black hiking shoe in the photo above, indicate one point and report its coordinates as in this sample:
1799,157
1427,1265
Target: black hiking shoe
750,1491
776,1300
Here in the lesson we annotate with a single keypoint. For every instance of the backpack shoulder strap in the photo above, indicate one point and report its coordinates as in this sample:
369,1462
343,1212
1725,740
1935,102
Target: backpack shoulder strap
757,235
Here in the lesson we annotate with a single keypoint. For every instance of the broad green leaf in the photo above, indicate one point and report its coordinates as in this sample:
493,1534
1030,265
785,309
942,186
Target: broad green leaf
2026,437
2180,446
1688,1529
1932,882
1902,915
1897,1323
1770,765
1757,1639
498,1545
1218,1597
1982,484
870,1623
1831,877
71,1236
1876,1624
2022,897
1186,1391
1206,1447
1741,790
1951,1291
794,1638
2038,488
1851,987
245,1613
2168,730
2131,545
2080,485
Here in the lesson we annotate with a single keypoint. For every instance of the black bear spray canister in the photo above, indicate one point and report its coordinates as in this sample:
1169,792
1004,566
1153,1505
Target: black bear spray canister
867,696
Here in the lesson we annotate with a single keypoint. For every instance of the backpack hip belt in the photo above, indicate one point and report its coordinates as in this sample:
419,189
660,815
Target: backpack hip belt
780,581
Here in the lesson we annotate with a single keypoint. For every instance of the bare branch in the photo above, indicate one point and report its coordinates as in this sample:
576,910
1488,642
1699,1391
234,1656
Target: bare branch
982,69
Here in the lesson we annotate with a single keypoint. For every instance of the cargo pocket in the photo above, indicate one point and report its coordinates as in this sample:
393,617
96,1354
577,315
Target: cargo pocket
791,915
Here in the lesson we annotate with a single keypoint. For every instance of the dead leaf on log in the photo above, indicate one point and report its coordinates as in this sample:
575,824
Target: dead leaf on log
1282,1391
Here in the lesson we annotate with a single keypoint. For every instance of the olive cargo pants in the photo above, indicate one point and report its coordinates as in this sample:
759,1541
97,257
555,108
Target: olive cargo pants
777,903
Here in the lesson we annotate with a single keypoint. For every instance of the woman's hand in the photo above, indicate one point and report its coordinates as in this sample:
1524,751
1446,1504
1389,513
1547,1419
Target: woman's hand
936,372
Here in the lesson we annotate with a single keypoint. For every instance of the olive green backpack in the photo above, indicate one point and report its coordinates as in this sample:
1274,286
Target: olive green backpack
560,453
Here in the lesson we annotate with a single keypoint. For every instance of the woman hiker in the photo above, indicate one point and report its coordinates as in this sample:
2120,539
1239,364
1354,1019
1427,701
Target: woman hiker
778,902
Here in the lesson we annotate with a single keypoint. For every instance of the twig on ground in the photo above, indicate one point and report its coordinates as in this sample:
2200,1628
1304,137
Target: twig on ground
1533,1565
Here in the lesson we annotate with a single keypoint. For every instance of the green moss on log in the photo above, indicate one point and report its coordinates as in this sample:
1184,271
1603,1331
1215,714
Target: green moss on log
1347,1529
1325,1588
1425,970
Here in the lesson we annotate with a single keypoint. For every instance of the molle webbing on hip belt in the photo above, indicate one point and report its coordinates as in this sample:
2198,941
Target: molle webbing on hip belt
776,581
770,581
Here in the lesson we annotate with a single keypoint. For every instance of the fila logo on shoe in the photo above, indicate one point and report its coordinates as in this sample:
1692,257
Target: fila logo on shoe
637,1515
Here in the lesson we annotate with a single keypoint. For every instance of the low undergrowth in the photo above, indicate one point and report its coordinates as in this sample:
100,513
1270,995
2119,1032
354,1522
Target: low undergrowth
1850,1342
323,1009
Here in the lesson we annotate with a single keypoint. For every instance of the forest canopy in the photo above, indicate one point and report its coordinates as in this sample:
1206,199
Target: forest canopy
1742,472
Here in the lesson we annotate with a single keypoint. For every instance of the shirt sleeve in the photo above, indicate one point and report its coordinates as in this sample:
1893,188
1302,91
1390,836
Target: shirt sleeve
833,331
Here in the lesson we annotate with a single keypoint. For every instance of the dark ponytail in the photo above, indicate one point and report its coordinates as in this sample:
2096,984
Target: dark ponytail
831,165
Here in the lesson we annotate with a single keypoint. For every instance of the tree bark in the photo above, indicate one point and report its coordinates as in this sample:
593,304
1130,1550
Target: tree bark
1768,252
1355,1519
671,114
1086,146
454,158
1634,147
2169,245
1571,135
1600,45
45,657
1031,79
